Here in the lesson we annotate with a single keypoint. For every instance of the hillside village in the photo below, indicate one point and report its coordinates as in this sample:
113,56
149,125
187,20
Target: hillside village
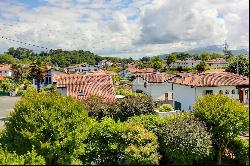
153,95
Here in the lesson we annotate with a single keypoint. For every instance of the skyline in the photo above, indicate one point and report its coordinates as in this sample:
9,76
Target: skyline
124,28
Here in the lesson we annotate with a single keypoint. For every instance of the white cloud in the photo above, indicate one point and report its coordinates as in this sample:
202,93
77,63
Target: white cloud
126,29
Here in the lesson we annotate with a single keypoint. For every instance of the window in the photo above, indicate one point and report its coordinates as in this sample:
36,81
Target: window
227,92
220,92
207,92
145,84
233,91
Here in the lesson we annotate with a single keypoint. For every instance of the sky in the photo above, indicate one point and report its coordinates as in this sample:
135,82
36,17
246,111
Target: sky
123,28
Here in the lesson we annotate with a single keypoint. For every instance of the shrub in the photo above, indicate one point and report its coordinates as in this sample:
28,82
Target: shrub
126,92
226,118
111,143
120,110
240,148
54,124
166,108
31,158
184,140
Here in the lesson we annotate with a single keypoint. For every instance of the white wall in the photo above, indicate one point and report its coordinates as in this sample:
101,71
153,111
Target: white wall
187,95
155,90
6,73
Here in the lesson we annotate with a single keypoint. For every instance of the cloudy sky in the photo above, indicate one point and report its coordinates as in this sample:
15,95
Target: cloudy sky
123,28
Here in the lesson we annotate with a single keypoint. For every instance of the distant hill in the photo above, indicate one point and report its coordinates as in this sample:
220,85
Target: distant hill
211,49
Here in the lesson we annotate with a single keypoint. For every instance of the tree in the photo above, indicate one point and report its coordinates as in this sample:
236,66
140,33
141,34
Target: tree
205,56
7,59
20,72
166,108
225,118
55,125
156,63
38,71
171,58
201,67
5,85
243,65
111,143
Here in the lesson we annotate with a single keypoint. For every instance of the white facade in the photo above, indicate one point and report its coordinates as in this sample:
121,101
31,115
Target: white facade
48,79
6,73
158,91
187,63
82,68
187,95
104,63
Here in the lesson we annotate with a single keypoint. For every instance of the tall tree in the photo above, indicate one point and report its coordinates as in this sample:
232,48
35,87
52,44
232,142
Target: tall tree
38,71
156,63
226,118
171,58
20,71
239,64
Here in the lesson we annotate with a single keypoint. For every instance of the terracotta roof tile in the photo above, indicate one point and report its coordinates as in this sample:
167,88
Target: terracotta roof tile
90,85
5,67
144,70
211,79
155,77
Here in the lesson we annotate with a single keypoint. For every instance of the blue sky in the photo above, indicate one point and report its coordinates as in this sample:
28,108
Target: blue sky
124,27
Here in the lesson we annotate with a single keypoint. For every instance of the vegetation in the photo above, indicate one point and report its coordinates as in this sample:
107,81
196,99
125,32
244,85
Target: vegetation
243,65
226,118
171,58
201,67
55,125
165,108
122,109
125,92
5,85
111,143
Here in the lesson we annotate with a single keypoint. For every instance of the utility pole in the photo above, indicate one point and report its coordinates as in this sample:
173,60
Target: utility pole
237,68
226,51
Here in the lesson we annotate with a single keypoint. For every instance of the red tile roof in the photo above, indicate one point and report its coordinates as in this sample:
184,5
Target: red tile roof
211,79
217,61
155,77
144,70
90,85
5,67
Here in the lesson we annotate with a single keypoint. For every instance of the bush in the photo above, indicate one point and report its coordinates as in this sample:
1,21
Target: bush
240,148
226,118
54,124
120,110
166,108
126,92
184,140
111,143
31,158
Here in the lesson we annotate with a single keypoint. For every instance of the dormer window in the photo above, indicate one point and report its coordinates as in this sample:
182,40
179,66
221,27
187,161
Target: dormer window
80,93
220,92
227,92
233,91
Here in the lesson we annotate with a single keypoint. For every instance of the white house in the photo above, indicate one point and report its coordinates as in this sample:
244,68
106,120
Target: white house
5,70
218,62
188,88
48,79
104,63
185,63
155,85
81,68
131,71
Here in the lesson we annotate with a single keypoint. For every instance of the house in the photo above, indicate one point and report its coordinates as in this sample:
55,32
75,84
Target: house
188,87
155,85
131,71
5,70
185,63
82,86
218,62
104,63
48,79
81,68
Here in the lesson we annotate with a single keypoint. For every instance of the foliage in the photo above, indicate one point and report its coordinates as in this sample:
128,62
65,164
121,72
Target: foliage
111,143
114,69
243,65
225,117
122,109
125,92
205,56
31,158
7,59
171,58
54,124
184,140
5,85
165,108
240,148
201,67
156,63
20,71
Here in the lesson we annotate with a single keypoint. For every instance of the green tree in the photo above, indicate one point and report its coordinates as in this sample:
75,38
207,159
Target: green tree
55,125
38,72
7,59
204,56
165,108
226,118
5,85
111,143
171,59
20,71
243,65
156,63
201,67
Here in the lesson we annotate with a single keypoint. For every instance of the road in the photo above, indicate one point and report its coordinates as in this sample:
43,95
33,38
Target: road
6,106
